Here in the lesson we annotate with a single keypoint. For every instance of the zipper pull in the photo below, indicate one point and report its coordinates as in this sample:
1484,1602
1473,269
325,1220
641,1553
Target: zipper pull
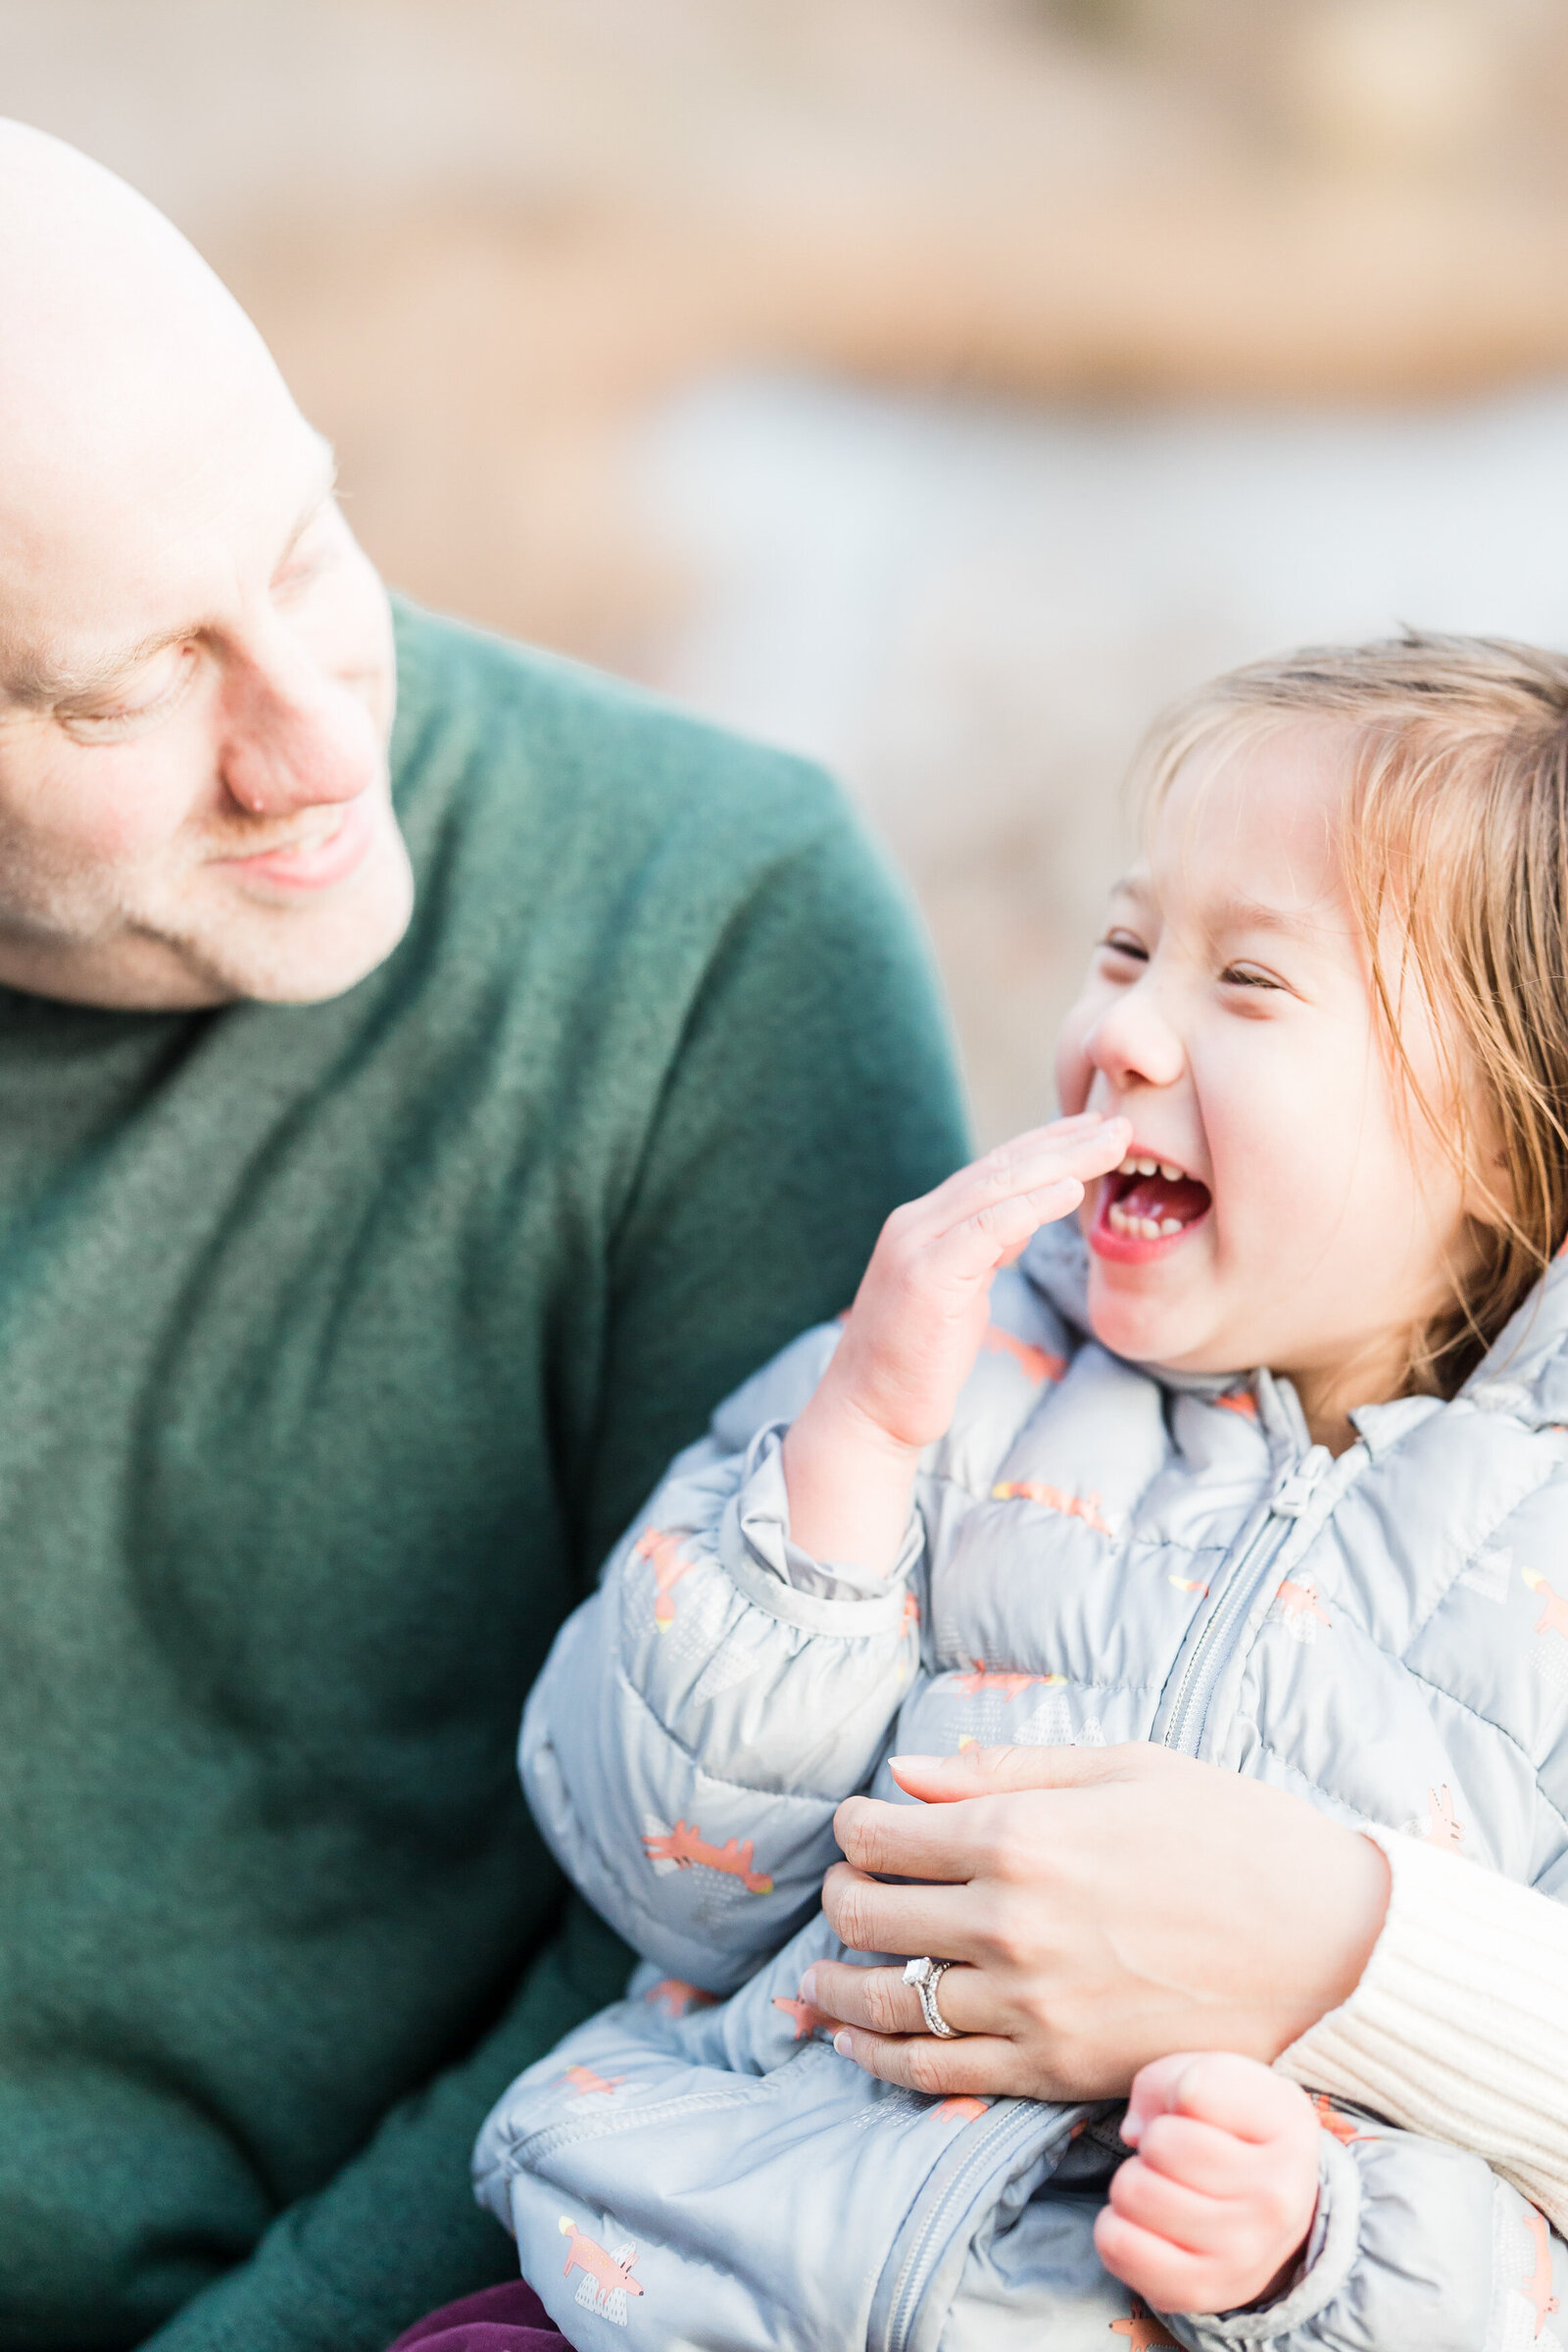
1291,1500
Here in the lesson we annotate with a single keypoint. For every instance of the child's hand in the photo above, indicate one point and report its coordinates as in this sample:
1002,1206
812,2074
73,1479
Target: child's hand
911,1337
1216,2205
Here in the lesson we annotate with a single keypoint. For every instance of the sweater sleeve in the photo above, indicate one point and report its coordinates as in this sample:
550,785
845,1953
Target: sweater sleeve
1458,2029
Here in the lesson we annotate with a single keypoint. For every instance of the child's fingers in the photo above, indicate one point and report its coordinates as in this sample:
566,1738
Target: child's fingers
1203,2225
1084,1149
1201,2157
936,1208
1167,2276
999,1229
1237,2095
1152,2092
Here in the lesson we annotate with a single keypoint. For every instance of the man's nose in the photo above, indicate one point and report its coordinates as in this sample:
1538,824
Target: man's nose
294,736
1136,1042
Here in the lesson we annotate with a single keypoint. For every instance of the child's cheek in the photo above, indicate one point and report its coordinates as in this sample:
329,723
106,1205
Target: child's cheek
1074,1070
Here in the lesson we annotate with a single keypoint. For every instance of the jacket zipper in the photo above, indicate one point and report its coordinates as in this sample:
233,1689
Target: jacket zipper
1255,1558
1214,1645
1015,2123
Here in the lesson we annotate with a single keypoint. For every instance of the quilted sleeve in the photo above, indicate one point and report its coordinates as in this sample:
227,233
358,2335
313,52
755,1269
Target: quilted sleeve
1415,2245
700,1718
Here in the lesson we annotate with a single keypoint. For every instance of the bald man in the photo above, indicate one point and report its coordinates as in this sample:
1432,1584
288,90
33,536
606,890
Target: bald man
407,1132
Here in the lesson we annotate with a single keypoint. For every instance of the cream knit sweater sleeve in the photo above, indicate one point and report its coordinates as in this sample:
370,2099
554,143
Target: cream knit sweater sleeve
1458,2029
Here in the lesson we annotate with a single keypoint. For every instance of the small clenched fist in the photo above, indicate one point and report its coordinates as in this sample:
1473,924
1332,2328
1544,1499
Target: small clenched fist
1216,2207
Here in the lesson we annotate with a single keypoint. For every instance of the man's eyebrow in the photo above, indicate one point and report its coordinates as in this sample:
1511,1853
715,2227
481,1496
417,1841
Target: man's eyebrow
36,682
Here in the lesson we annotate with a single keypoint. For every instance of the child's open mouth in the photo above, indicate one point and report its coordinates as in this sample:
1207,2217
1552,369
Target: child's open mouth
1144,1209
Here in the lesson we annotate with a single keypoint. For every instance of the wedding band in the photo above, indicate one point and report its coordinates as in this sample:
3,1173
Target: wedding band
925,1976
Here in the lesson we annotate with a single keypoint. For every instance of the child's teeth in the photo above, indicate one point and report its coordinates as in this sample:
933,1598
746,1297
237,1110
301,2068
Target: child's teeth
1151,1229
1153,1167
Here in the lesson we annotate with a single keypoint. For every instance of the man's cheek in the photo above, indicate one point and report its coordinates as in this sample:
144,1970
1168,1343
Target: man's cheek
123,811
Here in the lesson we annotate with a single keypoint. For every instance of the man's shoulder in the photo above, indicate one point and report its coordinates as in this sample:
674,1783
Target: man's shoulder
536,749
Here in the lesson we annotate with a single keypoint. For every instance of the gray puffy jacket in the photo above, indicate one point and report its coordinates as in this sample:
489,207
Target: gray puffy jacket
1095,1554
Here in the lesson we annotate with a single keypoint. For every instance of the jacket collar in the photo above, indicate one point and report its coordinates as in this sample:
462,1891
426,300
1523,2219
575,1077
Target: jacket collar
1524,1373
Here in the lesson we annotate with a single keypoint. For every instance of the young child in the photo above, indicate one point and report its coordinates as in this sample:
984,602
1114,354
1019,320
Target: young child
1262,1456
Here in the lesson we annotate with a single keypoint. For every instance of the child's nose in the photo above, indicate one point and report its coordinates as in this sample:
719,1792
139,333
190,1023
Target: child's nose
1135,1043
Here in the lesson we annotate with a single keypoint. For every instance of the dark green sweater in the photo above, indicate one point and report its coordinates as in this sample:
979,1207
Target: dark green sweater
336,1343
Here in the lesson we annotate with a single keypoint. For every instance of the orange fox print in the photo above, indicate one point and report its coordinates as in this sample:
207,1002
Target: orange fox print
1301,1610
607,2279
1538,2286
1239,1400
676,1996
583,2077
1553,1618
684,1846
960,2109
1086,1507
670,1564
1037,1364
1144,2332
808,2021
1443,1828
1332,2121
1009,1685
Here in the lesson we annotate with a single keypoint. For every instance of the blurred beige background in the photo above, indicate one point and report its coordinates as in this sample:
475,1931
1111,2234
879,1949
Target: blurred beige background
936,385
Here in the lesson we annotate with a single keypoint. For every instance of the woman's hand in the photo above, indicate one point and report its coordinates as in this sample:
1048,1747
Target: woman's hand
1213,2210
911,1337
1108,1905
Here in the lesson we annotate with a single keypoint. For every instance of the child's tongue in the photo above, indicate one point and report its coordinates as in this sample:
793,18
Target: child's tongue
1161,1196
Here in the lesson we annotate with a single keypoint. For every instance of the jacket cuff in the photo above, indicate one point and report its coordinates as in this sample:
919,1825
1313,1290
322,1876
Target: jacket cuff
1331,2251
1458,2029
774,1573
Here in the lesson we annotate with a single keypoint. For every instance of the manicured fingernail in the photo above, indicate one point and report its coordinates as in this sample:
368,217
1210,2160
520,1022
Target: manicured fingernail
843,2044
808,1987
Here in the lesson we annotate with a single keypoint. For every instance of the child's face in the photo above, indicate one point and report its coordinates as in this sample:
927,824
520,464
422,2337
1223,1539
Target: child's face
1315,1220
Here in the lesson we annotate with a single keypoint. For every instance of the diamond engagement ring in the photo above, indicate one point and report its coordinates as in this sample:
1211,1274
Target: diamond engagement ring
925,1976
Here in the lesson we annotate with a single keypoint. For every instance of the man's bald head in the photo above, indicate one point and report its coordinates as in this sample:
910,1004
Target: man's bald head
195,669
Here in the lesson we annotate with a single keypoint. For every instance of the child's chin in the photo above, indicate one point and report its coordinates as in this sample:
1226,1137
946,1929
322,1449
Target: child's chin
1134,1327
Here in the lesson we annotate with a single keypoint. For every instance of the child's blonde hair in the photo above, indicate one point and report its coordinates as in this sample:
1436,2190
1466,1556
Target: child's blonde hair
1457,827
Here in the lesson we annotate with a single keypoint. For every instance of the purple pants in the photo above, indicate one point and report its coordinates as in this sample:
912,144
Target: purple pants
503,2318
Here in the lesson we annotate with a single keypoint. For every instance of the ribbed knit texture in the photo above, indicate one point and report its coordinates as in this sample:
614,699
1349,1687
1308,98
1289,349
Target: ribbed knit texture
1459,2025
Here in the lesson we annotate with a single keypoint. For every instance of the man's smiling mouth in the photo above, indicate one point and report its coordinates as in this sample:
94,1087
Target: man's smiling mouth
1145,1202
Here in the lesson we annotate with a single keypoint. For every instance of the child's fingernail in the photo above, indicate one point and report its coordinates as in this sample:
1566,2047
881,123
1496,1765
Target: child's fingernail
808,1987
843,2044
